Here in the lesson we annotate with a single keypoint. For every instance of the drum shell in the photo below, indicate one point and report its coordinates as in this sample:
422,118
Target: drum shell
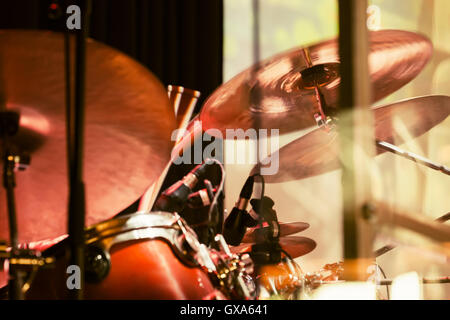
137,256
140,269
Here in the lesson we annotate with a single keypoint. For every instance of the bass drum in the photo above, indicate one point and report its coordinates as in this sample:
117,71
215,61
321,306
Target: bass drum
138,256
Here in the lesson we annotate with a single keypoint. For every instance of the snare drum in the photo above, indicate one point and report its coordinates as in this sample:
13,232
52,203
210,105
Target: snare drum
138,256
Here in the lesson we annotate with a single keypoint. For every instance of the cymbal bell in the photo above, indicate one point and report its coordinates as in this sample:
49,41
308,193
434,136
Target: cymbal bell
128,125
286,83
318,151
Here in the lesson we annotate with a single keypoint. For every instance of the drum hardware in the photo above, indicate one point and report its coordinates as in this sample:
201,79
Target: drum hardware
75,128
26,262
18,259
141,226
234,271
414,157
97,264
332,274
437,280
228,270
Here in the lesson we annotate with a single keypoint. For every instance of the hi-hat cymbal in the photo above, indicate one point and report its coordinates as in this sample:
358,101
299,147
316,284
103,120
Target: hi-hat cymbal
318,151
294,246
285,82
128,125
286,229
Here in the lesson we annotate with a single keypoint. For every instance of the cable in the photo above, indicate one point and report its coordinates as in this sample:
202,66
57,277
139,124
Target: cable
263,184
219,188
213,222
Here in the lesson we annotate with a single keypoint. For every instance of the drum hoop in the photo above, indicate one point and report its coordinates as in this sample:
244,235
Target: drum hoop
141,226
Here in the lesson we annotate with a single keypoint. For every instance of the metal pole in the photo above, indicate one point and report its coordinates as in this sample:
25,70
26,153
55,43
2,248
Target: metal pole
356,137
77,191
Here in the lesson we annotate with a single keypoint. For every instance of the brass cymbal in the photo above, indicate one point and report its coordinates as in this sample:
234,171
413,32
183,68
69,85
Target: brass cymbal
294,246
128,124
285,83
318,151
286,229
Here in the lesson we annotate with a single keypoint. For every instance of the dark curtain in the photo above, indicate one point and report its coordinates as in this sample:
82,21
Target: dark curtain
180,41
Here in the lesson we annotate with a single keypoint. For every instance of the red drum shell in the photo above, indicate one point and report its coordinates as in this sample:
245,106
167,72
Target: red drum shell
144,269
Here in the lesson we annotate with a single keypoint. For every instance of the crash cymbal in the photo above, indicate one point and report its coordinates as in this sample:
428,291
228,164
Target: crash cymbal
286,229
128,125
294,246
286,83
318,151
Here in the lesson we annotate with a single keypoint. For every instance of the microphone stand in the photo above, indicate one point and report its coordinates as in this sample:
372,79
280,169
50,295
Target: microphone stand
267,249
77,207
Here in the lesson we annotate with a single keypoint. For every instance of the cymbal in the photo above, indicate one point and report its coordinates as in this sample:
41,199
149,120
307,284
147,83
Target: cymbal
285,82
318,151
128,125
286,229
293,245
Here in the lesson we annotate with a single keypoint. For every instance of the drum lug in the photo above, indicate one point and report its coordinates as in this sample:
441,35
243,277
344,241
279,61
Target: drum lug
97,263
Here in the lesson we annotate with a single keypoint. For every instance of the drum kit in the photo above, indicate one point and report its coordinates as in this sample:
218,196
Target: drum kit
157,253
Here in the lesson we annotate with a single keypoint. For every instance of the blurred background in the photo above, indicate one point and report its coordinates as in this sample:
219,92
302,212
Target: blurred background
399,182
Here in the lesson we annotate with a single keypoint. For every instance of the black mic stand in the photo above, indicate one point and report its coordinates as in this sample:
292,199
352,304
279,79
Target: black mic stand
77,207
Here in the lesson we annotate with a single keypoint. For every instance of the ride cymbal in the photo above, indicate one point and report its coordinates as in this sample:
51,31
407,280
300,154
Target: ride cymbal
128,125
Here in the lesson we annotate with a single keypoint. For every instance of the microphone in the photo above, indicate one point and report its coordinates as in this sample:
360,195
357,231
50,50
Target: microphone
174,198
237,221
199,199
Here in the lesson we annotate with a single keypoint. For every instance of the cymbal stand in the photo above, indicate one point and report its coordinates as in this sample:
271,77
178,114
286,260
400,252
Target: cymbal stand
77,206
411,156
9,125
